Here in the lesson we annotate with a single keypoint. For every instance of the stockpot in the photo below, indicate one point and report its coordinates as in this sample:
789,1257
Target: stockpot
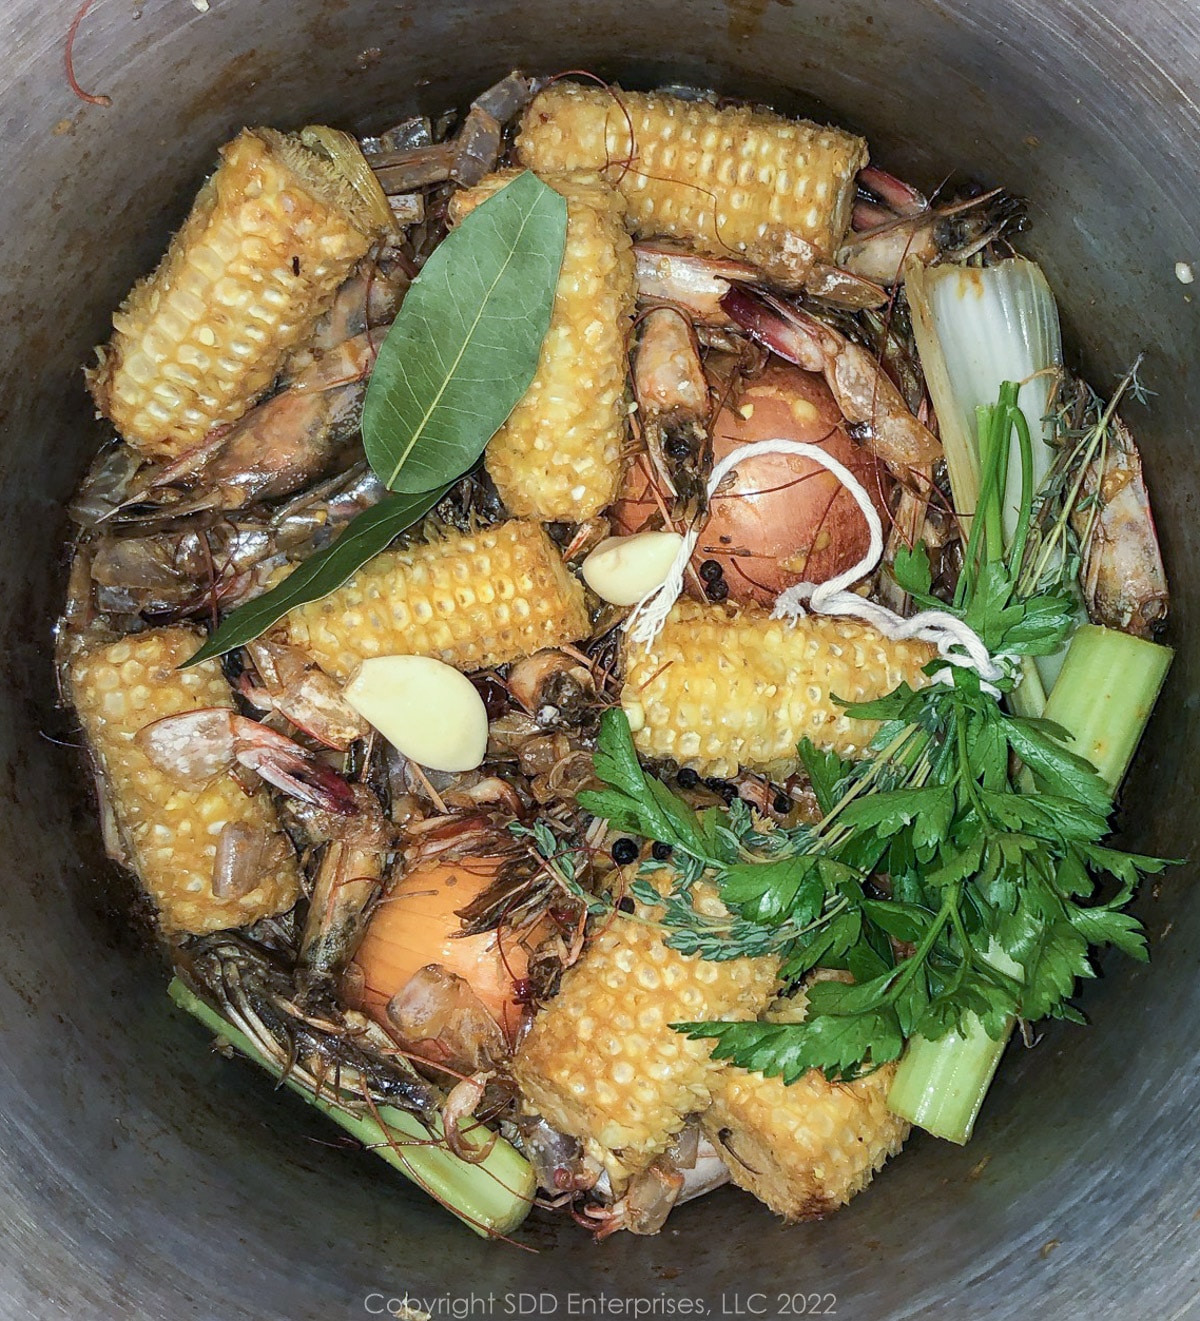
143,1176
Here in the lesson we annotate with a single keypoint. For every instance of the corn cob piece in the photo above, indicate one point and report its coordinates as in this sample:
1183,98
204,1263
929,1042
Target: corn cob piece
170,832
601,1061
471,599
729,182
270,237
719,688
807,1148
558,457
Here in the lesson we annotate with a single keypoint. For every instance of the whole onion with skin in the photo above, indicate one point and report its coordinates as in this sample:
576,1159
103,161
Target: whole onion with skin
417,924
778,519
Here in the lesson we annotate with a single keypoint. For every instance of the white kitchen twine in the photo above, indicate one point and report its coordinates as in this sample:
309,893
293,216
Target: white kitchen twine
956,643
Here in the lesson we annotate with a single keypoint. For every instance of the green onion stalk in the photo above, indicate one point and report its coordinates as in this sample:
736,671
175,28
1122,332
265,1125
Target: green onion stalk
1102,698
492,1195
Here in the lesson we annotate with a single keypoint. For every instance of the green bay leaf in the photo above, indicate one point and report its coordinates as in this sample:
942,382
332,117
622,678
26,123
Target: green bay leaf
365,536
466,343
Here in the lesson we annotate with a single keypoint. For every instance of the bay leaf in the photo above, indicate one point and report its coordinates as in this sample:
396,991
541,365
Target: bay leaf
466,343
364,537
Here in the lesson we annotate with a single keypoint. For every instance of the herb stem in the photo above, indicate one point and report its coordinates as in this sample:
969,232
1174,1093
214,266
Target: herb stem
916,962
966,775
1025,444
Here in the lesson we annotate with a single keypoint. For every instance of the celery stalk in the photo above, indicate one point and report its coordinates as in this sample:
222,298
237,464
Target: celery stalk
940,1085
977,328
1102,698
491,1197
1105,693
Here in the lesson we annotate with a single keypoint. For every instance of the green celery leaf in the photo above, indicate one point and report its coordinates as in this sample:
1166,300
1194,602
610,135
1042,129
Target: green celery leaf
865,964
639,803
904,921
1046,620
1049,815
823,946
912,1002
1124,866
1056,958
616,760
618,809
467,340
902,705
956,864
1060,771
363,538
890,811
991,610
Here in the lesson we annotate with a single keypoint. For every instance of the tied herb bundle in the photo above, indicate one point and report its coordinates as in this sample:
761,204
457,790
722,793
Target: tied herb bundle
958,873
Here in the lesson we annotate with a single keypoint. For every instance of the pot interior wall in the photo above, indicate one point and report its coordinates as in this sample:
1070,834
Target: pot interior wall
143,1176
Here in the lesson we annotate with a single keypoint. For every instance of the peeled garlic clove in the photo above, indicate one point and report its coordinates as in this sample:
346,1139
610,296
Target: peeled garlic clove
424,707
622,570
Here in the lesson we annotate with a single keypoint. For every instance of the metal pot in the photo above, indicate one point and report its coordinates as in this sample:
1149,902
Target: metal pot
142,1176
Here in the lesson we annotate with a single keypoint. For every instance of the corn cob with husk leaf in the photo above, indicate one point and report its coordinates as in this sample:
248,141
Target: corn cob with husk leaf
470,599
558,456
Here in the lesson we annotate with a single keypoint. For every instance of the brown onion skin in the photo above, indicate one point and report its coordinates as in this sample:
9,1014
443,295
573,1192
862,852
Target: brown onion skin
784,520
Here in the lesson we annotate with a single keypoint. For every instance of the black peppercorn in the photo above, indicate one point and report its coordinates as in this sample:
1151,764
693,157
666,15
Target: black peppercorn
717,591
659,851
626,905
710,571
782,804
687,778
677,448
624,851
722,788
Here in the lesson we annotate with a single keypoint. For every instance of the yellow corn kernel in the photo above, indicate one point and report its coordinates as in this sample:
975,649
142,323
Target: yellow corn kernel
470,599
807,1148
558,457
601,1061
730,182
270,237
170,832
719,688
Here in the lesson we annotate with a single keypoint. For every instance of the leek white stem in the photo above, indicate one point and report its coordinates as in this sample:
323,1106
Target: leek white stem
977,327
